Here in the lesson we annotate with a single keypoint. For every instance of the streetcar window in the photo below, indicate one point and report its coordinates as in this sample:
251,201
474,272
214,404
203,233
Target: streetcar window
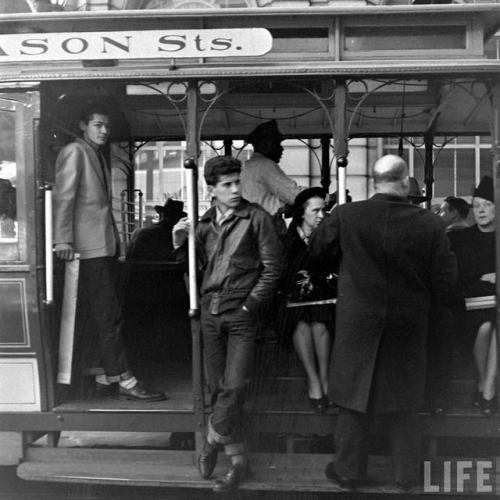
8,175
372,38
300,40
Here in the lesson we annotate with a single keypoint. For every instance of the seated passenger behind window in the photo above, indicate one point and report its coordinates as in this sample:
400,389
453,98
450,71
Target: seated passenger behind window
154,243
475,250
156,299
7,209
454,212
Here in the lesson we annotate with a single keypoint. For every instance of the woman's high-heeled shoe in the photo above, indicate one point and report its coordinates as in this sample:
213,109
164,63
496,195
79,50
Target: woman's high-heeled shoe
489,407
318,405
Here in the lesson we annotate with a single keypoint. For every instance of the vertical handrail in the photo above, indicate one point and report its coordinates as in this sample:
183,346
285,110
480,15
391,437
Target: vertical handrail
141,201
191,164
325,162
341,183
49,256
123,212
192,147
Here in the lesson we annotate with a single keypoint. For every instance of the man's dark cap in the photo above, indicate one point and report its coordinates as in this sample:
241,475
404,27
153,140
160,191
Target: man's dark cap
172,209
485,189
304,195
264,130
415,193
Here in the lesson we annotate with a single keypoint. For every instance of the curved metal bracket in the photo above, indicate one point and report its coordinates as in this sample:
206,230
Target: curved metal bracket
365,96
321,101
211,101
173,101
221,93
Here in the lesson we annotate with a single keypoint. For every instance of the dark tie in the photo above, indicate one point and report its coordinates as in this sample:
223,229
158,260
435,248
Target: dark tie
104,168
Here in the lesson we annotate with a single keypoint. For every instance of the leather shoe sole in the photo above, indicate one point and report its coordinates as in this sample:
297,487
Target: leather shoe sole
344,482
231,479
207,460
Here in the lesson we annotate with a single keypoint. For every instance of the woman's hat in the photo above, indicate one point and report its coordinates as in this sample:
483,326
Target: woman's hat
304,195
172,209
485,189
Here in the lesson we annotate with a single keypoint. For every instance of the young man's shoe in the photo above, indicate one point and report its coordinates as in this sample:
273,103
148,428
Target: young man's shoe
231,479
139,393
207,460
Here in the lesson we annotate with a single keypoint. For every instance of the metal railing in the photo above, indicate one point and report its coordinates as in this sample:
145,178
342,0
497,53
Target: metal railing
128,214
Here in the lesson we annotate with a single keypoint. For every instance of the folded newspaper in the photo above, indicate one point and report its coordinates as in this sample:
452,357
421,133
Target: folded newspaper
311,303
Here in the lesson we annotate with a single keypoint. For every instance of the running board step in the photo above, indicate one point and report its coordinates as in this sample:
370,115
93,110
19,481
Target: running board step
177,469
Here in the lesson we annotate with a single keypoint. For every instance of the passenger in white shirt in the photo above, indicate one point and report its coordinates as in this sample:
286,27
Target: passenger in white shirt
262,180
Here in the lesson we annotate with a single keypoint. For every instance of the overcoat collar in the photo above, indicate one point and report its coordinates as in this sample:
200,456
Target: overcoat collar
389,198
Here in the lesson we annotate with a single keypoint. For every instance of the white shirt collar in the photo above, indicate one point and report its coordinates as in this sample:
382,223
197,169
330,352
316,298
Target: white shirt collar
220,218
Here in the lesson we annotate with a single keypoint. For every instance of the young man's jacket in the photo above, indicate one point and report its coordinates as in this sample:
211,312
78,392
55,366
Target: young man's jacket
82,202
241,259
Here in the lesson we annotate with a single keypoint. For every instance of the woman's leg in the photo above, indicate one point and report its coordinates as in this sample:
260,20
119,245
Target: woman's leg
491,368
481,348
304,347
322,346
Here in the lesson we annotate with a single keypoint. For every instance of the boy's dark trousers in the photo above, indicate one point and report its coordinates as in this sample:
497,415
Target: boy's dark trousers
228,345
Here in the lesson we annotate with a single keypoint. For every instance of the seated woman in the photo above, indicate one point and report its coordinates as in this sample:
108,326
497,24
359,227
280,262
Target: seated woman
475,251
308,326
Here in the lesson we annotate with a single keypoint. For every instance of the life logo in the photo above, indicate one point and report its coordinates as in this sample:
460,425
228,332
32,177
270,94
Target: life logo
462,476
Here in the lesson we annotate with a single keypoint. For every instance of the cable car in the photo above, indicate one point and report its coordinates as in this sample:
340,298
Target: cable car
178,81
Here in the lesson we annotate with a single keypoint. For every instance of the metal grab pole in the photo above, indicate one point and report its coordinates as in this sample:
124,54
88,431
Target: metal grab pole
49,256
341,182
193,216
191,163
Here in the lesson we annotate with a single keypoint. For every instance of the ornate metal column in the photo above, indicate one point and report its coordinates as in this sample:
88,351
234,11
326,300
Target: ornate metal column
429,166
340,138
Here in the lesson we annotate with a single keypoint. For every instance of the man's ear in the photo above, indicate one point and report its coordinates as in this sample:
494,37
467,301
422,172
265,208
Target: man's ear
210,190
82,125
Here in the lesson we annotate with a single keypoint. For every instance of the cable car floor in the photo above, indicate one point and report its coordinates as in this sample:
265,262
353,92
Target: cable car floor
292,459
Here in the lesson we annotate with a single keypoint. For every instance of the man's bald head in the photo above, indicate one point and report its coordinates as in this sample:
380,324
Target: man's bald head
390,174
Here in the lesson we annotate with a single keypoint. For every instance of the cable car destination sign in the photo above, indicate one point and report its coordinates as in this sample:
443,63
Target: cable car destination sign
135,44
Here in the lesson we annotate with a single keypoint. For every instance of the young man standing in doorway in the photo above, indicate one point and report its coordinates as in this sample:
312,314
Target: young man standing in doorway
241,259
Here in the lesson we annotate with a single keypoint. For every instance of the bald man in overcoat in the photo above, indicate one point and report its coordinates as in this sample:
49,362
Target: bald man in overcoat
395,262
